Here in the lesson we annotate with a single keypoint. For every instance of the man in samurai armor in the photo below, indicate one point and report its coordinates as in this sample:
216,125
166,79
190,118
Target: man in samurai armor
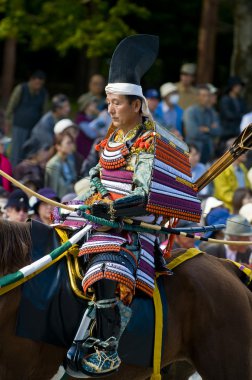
143,174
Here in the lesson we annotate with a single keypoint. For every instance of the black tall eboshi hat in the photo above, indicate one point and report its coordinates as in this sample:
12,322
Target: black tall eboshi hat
132,57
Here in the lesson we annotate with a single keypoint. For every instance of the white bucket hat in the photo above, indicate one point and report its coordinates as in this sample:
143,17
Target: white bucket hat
246,211
167,89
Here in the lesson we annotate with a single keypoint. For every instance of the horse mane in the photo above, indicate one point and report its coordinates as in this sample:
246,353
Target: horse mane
15,246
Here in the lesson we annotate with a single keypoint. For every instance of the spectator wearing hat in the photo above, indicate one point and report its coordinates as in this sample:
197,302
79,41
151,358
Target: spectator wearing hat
187,92
168,112
68,126
232,108
17,206
43,210
202,125
96,87
237,228
217,215
183,241
213,94
32,168
26,106
44,129
5,165
229,180
60,174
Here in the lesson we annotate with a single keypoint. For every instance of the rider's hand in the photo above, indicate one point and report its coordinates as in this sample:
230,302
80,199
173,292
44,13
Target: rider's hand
101,210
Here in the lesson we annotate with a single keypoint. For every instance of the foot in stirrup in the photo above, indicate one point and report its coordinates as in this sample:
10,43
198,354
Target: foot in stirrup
103,360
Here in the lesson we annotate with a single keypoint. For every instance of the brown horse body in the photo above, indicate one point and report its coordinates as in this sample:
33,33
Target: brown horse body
209,321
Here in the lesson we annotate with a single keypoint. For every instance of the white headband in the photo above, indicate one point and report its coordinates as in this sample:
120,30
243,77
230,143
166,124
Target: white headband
129,89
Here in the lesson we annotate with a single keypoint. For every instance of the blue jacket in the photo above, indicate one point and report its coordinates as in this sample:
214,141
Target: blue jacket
159,116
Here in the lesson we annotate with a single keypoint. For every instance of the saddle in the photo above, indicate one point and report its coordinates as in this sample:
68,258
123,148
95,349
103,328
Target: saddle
51,312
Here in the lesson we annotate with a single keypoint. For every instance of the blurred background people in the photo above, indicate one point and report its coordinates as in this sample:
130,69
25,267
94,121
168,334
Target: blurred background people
168,113
17,206
43,210
198,169
5,165
246,211
88,112
241,197
201,125
68,126
60,172
26,106
232,108
33,166
217,215
213,95
237,229
96,87
229,180
185,87
60,108
152,97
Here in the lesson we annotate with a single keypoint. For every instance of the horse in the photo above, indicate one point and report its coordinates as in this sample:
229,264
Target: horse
209,319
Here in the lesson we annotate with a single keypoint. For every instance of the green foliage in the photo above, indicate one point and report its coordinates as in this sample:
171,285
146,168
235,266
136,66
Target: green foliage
62,24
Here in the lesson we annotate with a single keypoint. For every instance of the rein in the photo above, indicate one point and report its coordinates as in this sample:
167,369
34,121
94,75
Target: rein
128,224
13,280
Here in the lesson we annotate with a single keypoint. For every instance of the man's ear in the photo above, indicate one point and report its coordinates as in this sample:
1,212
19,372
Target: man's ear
137,105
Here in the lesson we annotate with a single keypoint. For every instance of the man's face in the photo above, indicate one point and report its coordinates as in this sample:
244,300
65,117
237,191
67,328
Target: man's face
186,79
64,110
123,114
204,97
237,89
184,242
45,210
36,84
16,214
239,248
241,159
66,146
194,157
96,85
152,103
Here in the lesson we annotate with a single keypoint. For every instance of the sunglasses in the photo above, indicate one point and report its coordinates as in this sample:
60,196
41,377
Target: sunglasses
18,209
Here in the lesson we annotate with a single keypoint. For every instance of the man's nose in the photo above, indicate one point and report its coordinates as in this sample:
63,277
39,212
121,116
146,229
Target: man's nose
111,109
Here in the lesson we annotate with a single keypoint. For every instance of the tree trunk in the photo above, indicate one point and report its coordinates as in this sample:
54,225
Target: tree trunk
206,41
241,63
8,69
81,77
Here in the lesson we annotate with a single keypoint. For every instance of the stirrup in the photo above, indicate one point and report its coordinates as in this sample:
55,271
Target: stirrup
101,362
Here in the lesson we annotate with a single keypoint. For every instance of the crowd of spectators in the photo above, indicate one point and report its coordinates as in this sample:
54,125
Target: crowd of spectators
48,148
